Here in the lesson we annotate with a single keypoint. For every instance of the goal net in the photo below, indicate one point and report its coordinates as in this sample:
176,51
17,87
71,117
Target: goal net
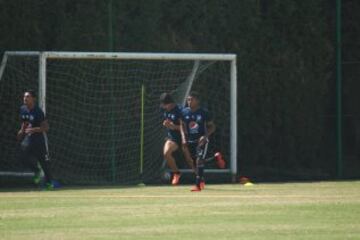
103,110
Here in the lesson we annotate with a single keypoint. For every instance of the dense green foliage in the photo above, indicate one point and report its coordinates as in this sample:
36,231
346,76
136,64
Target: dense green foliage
285,63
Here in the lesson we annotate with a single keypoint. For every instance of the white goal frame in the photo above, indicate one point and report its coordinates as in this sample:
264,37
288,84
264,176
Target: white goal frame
43,56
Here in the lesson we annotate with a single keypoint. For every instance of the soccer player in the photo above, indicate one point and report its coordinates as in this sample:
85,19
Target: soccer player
33,148
199,126
172,120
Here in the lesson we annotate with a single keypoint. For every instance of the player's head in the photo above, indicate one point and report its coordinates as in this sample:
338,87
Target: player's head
193,100
29,98
166,101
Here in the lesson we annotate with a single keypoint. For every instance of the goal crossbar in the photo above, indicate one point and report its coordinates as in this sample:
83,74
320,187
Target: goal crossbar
125,55
43,55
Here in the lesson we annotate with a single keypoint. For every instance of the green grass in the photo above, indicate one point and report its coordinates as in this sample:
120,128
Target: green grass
324,210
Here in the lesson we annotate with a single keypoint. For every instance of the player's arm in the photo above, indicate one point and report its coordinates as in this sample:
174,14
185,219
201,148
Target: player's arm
21,132
169,124
182,133
210,129
184,145
44,127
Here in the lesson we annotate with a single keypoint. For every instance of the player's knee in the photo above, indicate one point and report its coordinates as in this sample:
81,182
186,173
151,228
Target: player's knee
167,153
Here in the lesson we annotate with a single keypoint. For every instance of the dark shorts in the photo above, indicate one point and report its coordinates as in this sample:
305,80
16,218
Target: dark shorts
33,147
197,151
176,140
31,154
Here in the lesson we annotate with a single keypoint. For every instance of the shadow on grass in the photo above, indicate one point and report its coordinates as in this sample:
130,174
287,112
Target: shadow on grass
28,187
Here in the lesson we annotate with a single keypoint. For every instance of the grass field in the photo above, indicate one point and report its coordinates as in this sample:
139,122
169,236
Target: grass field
324,210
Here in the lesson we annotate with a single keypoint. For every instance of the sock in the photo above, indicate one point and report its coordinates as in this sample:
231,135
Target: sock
45,165
197,181
199,175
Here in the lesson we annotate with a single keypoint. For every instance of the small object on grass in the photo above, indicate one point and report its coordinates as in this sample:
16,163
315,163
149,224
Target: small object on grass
248,184
56,184
244,180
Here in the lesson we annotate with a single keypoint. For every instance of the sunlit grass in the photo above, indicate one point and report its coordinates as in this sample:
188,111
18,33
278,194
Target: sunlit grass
325,210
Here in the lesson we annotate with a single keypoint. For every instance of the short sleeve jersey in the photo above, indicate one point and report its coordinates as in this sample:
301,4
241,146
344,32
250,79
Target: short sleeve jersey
195,122
175,116
33,118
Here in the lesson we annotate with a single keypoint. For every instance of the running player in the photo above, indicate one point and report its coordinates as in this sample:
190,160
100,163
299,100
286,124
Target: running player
172,120
33,148
199,126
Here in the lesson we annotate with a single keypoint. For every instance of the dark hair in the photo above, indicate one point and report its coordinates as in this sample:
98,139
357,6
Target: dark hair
195,94
166,98
31,92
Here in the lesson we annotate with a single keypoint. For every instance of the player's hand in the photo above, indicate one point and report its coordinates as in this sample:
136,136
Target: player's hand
203,140
21,131
30,130
168,124
24,125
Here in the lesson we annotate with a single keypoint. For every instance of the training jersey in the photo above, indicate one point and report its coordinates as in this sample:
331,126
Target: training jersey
32,118
195,123
175,116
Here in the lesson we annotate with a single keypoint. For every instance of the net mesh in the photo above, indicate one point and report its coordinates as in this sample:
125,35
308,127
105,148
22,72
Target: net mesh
94,110
20,73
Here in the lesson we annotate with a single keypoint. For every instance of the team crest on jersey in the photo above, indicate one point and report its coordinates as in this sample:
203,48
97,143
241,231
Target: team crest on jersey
172,116
193,127
31,117
198,118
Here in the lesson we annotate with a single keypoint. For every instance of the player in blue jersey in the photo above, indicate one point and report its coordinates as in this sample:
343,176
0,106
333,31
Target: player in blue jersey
199,126
33,146
172,120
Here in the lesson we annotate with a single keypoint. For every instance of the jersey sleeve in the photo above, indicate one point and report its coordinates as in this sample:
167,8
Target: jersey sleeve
179,112
23,116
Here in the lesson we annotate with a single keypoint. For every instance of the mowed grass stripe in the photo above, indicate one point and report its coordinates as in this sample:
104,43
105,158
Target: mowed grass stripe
327,210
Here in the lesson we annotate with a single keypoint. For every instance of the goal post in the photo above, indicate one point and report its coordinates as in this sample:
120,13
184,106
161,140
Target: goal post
81,90
233,119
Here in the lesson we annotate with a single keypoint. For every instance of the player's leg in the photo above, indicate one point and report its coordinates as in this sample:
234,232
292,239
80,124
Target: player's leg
188,158
28,159
200,165
201,152
169,148
192,150
41,155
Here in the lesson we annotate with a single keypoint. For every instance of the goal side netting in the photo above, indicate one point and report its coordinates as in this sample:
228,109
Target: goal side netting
103,110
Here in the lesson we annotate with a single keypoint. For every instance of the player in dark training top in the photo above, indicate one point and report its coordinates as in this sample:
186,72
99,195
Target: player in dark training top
33,148
172,120
199,126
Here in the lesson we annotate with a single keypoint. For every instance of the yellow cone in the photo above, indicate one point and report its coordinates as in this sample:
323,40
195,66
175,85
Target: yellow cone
248,184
